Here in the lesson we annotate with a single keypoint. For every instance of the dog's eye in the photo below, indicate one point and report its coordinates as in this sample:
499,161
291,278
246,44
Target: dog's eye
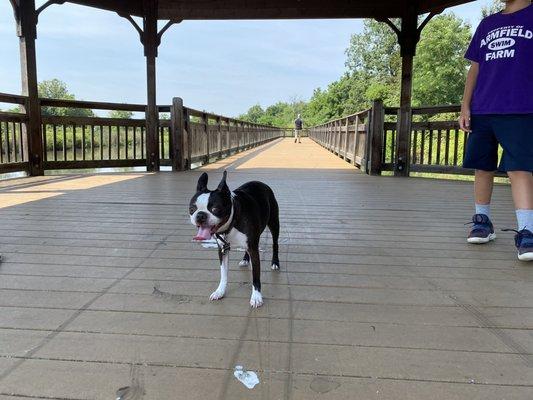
192,209
214,210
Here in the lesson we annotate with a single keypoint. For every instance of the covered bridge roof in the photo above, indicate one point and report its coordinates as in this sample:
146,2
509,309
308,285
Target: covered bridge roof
273,9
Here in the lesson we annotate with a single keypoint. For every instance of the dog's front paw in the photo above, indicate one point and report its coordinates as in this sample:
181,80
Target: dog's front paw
256,300
217,295
244,263
275,267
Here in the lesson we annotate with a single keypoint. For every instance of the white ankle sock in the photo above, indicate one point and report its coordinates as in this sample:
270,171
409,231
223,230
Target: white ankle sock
483,209
525,219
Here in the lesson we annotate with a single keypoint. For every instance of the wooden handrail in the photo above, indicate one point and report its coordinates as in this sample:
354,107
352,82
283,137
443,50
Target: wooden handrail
12,98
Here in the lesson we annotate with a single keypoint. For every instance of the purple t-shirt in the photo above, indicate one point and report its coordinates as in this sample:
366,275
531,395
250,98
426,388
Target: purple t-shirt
503,47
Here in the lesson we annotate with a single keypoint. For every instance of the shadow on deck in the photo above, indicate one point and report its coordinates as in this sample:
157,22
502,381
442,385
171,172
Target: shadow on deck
378,297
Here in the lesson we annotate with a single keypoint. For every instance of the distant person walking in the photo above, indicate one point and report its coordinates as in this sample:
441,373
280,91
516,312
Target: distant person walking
298,126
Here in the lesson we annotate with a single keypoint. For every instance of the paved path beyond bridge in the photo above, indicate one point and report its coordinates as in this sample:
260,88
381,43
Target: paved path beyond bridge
378,296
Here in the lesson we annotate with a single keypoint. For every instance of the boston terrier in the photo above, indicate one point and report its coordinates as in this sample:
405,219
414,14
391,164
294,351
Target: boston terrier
236,219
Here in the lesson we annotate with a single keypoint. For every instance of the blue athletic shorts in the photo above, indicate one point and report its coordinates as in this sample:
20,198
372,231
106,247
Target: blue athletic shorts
514,132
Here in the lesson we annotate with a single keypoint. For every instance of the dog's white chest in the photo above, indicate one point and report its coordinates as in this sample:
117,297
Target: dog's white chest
237,239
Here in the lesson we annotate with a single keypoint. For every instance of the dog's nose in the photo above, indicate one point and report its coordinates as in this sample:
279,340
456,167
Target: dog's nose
201,217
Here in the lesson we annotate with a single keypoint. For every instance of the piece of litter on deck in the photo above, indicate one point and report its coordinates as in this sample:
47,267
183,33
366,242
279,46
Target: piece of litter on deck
247,378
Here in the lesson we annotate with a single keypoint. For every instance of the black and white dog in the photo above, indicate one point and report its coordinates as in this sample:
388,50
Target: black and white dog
236,219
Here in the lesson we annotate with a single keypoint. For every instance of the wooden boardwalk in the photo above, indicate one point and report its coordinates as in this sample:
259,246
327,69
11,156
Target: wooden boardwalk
378,296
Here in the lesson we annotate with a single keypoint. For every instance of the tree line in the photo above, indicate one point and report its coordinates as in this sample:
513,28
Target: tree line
373,72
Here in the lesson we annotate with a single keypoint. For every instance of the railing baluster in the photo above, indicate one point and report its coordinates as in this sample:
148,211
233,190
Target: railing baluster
83,142
3,128
74,140
101,142
422,146
8,144
64,131
430,155
447,148
92,142
109,150
439,135
134,142
455,147
414,146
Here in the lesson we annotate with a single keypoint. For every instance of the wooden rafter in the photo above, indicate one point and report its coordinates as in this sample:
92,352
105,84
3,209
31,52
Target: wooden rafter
164,28
46,5
15,4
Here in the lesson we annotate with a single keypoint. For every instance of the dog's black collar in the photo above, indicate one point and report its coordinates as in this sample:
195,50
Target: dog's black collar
221,236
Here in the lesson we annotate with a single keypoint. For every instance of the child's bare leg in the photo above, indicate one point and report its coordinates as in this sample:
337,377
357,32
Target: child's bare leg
483,185
522,188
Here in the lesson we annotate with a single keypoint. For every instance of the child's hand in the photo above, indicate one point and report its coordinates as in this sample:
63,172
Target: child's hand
464,120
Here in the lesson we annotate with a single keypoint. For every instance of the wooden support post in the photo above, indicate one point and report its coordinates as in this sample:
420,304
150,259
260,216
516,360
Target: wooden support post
408,40
375,138
346,125
237,124
150,41
219,137
27,32
188,138
228,138
178,150
408,37
356,140
205,121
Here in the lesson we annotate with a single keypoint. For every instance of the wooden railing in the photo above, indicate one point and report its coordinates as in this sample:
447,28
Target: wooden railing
189,138
356,138
437,143
203,137
13,141
345,137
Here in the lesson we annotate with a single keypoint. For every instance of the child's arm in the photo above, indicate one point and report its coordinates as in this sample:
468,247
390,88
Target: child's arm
471,79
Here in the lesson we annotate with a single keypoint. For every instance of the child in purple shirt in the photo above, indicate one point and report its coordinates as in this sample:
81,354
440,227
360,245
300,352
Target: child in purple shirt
497,109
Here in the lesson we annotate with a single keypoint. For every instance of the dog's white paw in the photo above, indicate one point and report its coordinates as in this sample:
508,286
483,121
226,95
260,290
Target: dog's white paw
256,300
244,263
217,295
275,267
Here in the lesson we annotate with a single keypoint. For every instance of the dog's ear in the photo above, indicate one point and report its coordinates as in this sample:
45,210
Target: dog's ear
202,183
223,186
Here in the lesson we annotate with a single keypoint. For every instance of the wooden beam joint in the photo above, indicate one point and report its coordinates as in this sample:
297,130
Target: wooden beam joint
409,33
45,6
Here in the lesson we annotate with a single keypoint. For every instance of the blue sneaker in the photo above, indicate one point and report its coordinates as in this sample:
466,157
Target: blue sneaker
524,244
482,231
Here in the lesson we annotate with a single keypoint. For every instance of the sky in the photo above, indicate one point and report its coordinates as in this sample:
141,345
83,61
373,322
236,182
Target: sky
218,66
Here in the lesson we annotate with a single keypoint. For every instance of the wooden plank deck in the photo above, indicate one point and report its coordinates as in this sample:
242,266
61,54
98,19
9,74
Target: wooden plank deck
378,297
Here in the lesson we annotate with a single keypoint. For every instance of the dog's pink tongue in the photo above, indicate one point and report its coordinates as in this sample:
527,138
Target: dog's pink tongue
204,233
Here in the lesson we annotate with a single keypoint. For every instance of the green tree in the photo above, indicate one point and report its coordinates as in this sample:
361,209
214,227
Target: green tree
120,114
374,72
254,114
495,7
56,89
439,66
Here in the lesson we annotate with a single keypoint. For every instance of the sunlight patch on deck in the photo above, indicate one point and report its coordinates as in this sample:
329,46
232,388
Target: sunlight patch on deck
81,183
15,199
289,155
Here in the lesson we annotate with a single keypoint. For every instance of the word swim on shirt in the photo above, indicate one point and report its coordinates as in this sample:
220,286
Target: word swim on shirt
503,48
